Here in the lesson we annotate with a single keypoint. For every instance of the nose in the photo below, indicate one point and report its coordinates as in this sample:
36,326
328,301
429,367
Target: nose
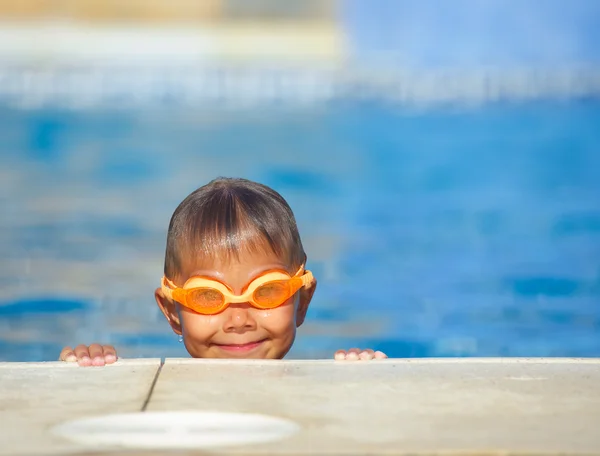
239,318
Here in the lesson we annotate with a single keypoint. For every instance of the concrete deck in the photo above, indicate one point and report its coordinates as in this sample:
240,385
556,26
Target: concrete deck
419,406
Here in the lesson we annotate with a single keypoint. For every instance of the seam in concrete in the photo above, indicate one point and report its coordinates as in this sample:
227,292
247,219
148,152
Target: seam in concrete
151,390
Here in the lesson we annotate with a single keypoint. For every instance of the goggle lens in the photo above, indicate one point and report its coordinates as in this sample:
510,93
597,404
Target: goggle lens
272,294
206,300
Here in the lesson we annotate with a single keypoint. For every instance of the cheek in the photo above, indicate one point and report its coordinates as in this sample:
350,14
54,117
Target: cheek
197,327
280,321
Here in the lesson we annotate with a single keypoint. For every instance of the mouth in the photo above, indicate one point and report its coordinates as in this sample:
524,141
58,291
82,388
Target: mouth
241,348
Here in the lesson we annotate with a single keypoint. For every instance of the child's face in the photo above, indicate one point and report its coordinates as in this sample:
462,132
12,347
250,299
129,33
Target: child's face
240,331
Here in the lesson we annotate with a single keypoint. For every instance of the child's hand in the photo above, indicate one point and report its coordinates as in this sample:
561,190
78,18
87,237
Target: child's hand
94,355
355,354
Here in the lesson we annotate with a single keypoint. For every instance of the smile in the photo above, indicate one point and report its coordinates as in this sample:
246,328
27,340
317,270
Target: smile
241,348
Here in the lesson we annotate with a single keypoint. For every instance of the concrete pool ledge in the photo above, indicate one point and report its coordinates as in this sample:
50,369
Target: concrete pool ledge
398,406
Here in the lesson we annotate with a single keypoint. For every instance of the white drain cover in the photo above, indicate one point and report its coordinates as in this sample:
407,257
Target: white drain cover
176,429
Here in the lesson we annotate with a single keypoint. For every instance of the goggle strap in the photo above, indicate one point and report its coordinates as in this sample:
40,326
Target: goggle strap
167,287
307,278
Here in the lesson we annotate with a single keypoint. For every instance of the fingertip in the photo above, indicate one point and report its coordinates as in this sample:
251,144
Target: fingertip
70,358
380,355
365,355
339,355
84,361
109,359
352,356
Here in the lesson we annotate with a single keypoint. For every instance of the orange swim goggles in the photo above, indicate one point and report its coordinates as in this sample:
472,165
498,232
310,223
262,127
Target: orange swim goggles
208,296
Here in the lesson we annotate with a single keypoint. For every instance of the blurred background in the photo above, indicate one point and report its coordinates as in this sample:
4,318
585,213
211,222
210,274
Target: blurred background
442,159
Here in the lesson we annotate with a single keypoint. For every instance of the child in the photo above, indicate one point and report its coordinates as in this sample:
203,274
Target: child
235,283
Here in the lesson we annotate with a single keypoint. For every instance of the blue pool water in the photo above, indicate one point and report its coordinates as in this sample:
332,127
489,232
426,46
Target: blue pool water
433,232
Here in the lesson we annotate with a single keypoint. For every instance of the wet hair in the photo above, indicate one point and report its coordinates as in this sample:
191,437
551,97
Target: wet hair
228,216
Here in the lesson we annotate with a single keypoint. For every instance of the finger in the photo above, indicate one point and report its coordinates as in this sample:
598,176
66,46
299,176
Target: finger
380,355
83,355
67,355
97,355
355,350
340,355
95,351
366,355
110,354
352,355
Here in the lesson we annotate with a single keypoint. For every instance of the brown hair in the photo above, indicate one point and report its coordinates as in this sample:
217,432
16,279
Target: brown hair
227,216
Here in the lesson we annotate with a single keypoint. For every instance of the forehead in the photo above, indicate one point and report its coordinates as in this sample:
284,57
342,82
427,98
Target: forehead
233,269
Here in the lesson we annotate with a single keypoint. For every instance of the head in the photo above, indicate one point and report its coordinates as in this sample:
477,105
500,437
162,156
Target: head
234,231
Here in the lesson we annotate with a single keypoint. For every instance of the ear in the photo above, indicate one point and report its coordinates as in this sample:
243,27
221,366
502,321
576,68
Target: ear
169,310
306,295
